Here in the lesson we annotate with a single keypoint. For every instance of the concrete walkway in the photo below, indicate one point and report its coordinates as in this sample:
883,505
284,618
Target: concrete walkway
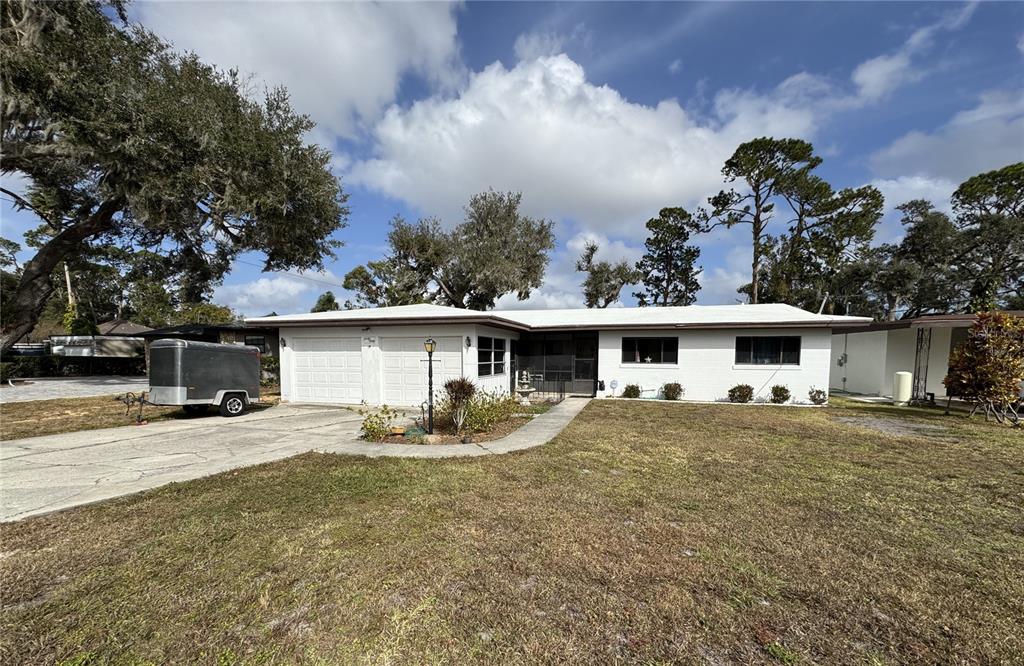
541,430
43,474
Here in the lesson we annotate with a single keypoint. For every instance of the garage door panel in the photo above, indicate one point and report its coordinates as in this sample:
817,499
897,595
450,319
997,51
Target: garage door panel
328,369
405,367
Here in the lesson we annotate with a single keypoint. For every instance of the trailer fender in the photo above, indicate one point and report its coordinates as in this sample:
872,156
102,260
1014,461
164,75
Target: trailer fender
219,397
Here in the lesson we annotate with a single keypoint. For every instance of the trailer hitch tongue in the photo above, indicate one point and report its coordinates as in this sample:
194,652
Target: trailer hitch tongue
130,399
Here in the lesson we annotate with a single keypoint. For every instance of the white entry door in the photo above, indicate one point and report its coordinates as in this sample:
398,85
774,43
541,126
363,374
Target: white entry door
405,368
327,370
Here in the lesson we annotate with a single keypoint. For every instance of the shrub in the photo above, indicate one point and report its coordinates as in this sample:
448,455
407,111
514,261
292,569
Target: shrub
818,396
377,425
741,393
270,371
631,391
780,394
672,391
986,367
485,410
455,405
70,366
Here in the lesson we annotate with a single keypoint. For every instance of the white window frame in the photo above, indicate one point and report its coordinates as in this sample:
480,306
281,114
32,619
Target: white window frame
485,345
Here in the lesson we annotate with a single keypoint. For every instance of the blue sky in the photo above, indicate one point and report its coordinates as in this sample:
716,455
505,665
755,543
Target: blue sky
602,113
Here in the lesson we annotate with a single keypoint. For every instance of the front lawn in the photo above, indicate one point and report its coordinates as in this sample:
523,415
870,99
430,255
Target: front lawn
646,532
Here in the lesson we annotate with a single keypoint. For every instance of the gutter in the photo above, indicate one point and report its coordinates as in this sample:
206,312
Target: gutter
501,322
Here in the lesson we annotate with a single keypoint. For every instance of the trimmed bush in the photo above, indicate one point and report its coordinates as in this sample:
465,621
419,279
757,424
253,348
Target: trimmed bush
741,393
780,394
631,391
817,396
486,410
377,425
672,391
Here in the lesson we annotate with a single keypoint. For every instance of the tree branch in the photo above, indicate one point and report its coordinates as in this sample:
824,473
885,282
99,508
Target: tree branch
22,202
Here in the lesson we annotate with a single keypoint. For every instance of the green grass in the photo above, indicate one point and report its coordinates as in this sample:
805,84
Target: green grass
645,533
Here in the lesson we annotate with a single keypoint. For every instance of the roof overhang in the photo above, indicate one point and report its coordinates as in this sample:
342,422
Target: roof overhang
500,322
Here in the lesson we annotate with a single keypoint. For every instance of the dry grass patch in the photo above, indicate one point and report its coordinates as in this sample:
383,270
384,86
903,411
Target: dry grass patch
645,533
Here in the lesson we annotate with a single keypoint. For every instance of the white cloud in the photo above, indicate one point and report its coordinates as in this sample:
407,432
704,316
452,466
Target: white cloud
544,43
881,75
1020,43
280,292
576,150
341,62
675,66
907,188
988,136
877,77
718,284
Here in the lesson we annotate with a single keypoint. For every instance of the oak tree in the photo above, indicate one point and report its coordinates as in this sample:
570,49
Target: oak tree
124,142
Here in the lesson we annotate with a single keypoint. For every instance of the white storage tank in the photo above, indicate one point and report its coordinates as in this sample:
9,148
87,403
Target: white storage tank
902,388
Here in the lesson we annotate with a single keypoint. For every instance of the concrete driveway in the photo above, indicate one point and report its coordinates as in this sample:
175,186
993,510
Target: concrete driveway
48,388
43,474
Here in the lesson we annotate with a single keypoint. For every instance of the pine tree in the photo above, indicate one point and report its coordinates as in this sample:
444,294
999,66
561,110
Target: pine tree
666,269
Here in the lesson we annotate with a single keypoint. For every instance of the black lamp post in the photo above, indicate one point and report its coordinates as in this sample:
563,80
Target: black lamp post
429,345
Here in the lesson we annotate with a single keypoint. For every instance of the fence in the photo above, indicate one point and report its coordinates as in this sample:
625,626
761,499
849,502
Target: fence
547,388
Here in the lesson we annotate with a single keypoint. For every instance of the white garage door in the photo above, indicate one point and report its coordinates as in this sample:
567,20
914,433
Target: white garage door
405,368
327,370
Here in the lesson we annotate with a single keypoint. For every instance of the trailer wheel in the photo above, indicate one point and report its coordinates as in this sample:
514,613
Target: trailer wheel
195,410
233,404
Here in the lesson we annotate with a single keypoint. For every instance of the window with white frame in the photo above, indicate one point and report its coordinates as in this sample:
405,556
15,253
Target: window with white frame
650,350
490,356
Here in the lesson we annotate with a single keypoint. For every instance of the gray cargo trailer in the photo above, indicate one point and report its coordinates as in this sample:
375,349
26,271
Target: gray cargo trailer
196,375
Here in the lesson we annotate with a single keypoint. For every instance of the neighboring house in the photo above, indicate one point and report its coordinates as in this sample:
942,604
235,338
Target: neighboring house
377,356
100,346
864,359
263,338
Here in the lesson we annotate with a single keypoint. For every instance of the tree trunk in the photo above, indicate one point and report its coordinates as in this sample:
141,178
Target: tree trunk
35,285
755,266
72,302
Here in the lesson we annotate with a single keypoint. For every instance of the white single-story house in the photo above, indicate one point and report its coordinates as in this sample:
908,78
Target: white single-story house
864,359
376,356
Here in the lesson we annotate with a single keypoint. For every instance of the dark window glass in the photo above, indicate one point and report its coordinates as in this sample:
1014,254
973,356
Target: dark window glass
257,341
490,356
650,350
768,350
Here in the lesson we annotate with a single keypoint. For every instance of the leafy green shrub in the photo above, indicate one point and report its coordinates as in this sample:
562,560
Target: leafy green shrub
486,410
631,391
377,425
70,366
780,394
270,371
454,407
818,396
741,393
672,391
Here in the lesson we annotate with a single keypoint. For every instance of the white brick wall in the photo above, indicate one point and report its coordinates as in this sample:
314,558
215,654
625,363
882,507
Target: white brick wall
707,369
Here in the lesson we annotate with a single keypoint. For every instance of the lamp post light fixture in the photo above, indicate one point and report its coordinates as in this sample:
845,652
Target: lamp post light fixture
429,345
